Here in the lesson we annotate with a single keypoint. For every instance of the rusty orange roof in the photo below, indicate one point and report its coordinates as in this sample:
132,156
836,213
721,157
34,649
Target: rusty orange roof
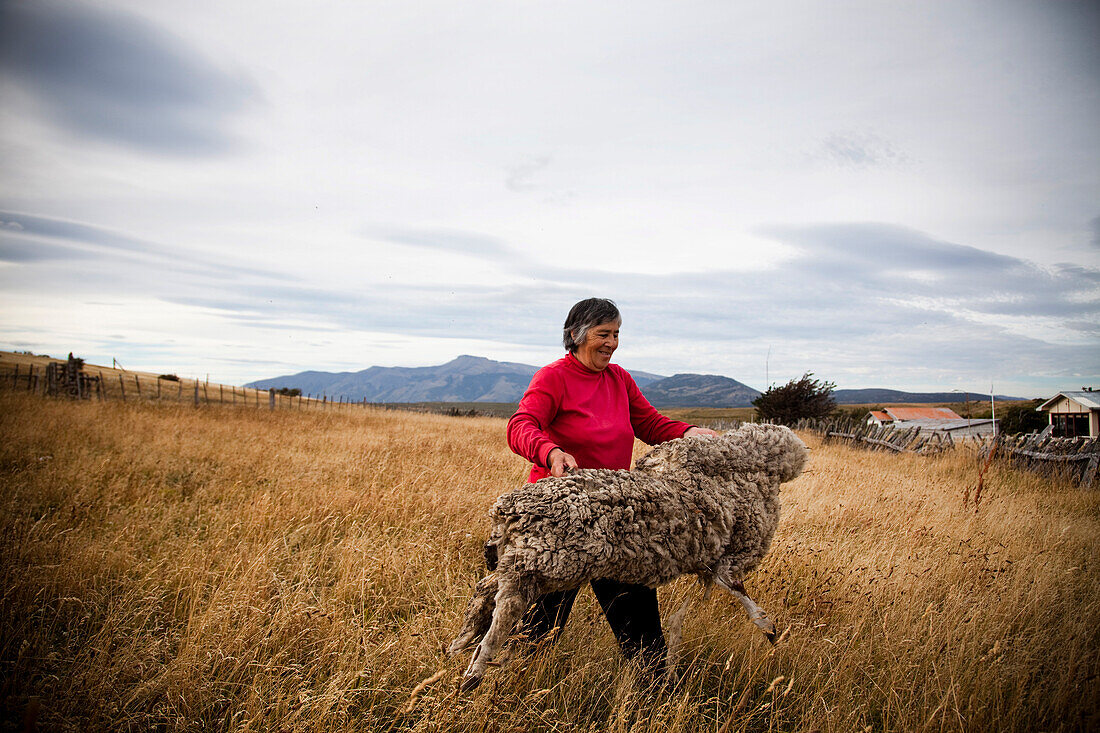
922,413
880,416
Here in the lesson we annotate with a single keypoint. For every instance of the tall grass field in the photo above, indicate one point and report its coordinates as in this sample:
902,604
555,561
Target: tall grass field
227,568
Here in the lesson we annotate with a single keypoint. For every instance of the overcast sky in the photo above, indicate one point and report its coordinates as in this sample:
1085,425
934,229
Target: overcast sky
899,195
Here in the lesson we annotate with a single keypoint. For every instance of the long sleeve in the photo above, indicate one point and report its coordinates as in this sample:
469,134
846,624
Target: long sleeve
527,429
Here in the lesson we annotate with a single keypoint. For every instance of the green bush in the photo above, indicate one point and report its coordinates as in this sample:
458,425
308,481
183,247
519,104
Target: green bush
1021,417
795,400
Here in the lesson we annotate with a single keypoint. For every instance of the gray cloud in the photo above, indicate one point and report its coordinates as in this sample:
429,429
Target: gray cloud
847,301
17,250
73,231
22,234
849,284
859,150
519,176
112,76
1095,226
445,240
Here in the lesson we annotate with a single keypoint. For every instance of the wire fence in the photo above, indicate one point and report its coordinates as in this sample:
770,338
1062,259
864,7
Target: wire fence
108,384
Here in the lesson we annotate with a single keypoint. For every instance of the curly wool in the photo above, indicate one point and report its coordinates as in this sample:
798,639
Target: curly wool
702,505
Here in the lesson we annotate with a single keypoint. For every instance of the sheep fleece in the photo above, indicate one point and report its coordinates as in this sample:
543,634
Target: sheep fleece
693,505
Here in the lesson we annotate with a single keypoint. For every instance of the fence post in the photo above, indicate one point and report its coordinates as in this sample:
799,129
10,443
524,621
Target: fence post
122,386
15,377
271,398
196,393
33,382
1088,478
138,384
179,390
221,393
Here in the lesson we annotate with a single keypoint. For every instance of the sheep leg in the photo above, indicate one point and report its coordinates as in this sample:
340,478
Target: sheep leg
479,614
676,632
511,602
756,614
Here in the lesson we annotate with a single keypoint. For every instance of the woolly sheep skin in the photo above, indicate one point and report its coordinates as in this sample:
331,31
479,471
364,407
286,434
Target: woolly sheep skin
700,505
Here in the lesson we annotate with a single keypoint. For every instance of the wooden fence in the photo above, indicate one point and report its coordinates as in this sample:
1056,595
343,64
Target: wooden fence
119,385
879,437
1077,459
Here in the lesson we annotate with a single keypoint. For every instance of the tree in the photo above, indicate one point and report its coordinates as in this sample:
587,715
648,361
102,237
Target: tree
797,399
1021,417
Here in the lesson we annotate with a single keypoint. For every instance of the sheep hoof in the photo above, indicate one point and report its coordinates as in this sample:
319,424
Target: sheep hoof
469,682
765,624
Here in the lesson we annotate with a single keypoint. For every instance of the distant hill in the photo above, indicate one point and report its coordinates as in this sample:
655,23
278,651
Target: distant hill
699,390
464,379
645,378
889,396
477,379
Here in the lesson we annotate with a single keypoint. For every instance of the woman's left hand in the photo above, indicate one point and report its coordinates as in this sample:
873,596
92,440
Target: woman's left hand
700,431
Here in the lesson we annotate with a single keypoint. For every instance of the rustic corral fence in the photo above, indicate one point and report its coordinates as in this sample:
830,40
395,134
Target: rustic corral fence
879,437
1077,459
75,379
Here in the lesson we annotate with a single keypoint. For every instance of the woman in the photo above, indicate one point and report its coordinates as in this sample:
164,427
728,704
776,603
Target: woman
582,411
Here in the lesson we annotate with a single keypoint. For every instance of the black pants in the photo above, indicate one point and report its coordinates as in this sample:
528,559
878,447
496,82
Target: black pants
631,611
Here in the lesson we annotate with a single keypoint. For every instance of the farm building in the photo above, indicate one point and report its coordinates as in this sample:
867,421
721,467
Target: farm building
956,428
939,419
895,415
1074,414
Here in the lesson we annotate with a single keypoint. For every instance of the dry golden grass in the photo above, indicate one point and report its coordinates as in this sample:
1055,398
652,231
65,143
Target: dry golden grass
173,568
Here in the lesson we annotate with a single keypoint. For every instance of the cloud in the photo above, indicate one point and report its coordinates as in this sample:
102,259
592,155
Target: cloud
22,235
109,75
856,299
1095,225
30,251
850,284
519,176
444,240
859,150
74,231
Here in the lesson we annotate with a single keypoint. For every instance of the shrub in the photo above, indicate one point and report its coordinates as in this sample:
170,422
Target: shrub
795,400
1021,417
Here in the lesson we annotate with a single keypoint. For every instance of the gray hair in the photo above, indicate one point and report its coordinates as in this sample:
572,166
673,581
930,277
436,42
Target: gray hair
583,316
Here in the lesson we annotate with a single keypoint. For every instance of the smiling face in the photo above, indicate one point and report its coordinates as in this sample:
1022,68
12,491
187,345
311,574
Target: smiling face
599,344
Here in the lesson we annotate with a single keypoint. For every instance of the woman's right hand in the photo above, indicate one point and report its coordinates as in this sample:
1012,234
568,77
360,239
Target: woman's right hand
561,462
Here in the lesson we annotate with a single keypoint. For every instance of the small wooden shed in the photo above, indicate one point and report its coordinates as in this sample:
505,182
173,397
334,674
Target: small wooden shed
1074,414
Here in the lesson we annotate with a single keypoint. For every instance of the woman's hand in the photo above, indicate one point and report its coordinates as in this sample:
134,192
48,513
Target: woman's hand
700,431
560,462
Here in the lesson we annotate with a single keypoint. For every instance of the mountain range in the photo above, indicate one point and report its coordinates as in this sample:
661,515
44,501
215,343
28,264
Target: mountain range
477,379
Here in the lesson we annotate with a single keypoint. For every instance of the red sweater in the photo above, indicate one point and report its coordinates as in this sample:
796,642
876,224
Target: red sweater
593,416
